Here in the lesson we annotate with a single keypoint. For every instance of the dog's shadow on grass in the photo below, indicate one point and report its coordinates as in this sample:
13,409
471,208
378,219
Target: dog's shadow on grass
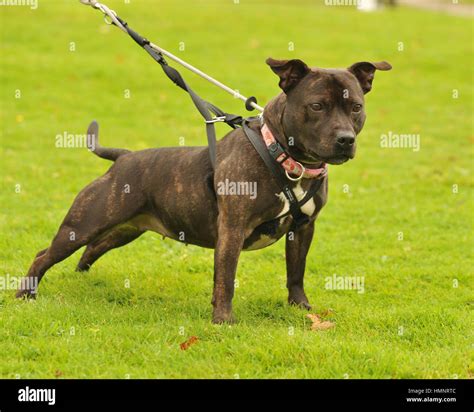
95,290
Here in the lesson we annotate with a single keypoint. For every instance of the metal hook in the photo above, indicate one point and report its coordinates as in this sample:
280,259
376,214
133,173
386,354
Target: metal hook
107,17
216,119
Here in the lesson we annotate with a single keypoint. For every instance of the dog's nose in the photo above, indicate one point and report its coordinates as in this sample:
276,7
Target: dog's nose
345,140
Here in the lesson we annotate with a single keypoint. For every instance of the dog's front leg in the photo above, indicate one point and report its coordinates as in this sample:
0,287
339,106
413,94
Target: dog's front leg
230,239
297,246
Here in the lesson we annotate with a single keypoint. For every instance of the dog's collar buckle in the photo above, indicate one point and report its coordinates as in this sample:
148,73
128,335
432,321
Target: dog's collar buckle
277,151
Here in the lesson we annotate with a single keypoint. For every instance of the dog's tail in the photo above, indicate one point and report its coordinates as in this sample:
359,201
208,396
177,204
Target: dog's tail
93,145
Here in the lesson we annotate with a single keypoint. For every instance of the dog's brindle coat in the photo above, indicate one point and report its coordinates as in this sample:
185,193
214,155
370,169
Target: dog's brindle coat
173,190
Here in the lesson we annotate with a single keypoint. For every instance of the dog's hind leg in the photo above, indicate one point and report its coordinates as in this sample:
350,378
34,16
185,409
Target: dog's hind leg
62,246
115,238
99,207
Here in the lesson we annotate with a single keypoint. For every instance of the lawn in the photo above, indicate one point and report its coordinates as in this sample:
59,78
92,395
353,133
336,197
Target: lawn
399,218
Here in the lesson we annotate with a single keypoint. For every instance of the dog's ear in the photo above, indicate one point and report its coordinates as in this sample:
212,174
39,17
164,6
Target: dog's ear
364,71
290,72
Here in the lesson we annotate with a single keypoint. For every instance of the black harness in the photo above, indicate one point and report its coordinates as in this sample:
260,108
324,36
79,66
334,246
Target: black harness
270,156
213,114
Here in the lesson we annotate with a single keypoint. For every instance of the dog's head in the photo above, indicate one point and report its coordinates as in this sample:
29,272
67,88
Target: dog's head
322,110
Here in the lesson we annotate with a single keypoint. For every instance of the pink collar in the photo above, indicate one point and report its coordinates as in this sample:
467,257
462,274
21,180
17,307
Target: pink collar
291,166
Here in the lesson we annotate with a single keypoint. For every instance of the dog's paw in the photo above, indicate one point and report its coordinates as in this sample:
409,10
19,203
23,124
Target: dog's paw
298,298
302,305
82,267
218,318
25,294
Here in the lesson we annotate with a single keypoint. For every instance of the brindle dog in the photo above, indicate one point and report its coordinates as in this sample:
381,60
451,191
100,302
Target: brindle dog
172,191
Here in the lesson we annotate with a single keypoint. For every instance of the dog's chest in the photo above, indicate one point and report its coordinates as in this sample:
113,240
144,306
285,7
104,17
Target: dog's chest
270,232
308,208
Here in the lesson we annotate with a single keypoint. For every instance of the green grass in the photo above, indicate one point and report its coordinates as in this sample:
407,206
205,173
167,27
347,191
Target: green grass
91,325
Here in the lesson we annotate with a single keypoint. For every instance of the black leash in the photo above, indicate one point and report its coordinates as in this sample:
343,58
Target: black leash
206,109
299,218
213,114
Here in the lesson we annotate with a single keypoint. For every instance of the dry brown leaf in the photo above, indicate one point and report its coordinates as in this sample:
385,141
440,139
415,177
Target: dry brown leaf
318,324
327,312
191,341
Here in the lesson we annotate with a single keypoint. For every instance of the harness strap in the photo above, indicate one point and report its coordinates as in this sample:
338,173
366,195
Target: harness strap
308,196
299,218
205,108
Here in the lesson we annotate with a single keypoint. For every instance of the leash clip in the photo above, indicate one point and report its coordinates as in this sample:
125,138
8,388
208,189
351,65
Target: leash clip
296,179
216,119
107,17
110,16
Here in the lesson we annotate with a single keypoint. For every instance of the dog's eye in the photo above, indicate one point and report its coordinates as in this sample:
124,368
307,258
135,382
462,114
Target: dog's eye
356,108
317,107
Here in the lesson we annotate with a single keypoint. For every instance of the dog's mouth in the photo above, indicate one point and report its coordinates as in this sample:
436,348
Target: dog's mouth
307,159
310,158
332,160
337,160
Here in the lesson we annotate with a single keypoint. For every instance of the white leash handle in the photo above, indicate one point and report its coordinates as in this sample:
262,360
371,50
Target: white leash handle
113,20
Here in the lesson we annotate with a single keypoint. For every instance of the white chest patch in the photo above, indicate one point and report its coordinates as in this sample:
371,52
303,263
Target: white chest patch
308,208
